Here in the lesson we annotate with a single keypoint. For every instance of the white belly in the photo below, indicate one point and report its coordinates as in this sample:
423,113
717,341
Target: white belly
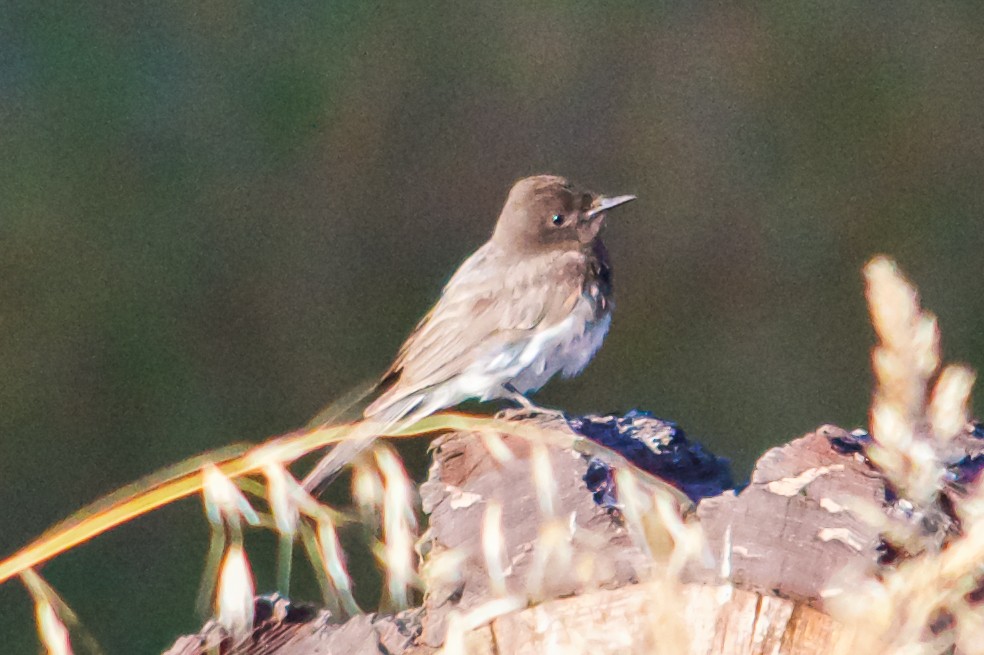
565,348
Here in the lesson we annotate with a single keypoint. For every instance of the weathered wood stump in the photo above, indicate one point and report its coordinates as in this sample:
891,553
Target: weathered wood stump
774,547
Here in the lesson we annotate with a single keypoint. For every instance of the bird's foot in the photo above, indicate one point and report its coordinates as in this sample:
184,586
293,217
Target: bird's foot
535,411
528,409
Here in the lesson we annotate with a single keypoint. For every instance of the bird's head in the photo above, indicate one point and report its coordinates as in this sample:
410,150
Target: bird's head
547,212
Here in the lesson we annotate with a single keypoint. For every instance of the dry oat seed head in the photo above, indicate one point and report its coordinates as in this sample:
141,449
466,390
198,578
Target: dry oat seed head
367,489
397,487
443,567
234,600
283,503
497,448
224,500
893,301
689,544
454,640
334,560
493,547
543,480
53,633
553,560
908,354
634,507
399,557
331,551
948,409
911,434
399,524
461,624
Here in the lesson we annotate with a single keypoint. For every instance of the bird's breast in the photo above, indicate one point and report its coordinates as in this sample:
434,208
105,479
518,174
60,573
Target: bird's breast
564,348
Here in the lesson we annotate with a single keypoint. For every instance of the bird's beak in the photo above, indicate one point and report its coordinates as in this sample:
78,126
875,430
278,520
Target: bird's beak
604,203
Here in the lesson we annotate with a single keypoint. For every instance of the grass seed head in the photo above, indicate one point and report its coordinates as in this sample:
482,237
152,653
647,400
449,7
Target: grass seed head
543,480
367,490
399,526
333,558
493,547
51,614
634,506
949,406
398,490
497,448
223,499
454,639
443,567
920,606
908,447
283,503
53,633
234,600
553,561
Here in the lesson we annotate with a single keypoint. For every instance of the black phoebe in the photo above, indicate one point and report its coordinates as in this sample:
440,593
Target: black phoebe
534,301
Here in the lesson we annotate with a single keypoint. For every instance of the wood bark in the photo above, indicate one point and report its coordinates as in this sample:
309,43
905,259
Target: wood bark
775,546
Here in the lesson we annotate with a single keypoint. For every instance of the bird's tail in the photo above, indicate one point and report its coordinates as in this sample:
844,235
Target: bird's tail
332,464
348,408
378,419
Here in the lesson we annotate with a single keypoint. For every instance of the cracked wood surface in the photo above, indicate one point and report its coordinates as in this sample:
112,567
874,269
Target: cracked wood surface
789,530
775,544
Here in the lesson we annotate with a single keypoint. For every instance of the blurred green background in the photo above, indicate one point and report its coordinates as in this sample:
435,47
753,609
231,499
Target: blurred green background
215,217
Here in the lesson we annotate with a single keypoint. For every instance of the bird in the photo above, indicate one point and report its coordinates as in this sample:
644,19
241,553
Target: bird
535,300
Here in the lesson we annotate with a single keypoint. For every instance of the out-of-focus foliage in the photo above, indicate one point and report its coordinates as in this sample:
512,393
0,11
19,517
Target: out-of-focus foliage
217,217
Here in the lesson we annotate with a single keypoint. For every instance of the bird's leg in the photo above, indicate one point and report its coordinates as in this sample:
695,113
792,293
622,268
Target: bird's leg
527,407
518,398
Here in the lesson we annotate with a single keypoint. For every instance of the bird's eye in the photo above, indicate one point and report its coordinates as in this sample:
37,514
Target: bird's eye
557,219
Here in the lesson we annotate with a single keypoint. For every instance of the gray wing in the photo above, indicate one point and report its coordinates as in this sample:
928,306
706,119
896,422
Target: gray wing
488,302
